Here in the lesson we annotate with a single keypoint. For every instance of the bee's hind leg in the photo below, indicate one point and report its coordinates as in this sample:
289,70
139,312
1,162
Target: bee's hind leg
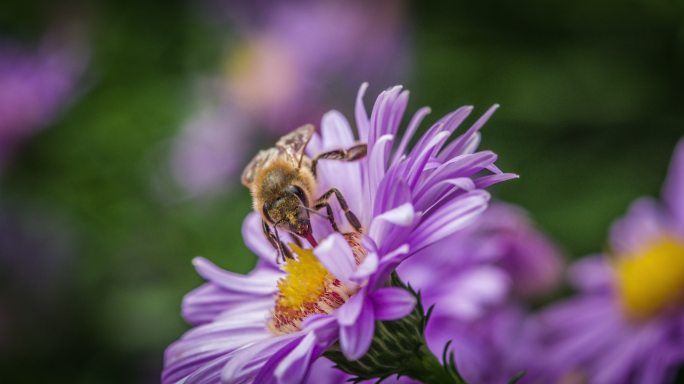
324,201
352,153
283,251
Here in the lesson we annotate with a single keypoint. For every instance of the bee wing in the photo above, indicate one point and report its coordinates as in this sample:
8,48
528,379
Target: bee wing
260,160
294,143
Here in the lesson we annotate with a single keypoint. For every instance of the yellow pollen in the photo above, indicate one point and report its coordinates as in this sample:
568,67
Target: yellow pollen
306,279
652,279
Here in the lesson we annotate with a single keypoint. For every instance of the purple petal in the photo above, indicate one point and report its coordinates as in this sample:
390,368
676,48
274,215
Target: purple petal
357,337
366,268
410,131
643,224
362,122
349,312
452,217
337,257
246,362
592,274
253,236
392,303
261,282
293,369
673,191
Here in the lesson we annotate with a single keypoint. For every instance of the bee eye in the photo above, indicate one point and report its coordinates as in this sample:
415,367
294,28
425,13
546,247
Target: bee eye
295,190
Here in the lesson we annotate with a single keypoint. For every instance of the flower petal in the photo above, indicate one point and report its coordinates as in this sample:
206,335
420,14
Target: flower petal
294,368
357,337
261,282
450,218
392,303
349,312
673,192
337,257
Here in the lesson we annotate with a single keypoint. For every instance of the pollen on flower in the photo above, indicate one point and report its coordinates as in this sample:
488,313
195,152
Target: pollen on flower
309,289
652,279
305,281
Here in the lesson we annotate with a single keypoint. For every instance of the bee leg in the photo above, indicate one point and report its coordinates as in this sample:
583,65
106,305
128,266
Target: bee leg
352,153
323,201
283,251
330,216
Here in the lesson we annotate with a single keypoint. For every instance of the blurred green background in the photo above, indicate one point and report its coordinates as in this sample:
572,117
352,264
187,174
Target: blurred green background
592,100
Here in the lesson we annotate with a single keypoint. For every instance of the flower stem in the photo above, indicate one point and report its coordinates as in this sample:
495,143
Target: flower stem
426,368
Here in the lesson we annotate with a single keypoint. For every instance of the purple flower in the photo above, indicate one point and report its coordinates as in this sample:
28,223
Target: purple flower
36,84
471,278
291,62
271,325
626,323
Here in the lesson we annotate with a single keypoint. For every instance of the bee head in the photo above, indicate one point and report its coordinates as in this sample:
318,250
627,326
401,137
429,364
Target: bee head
290,211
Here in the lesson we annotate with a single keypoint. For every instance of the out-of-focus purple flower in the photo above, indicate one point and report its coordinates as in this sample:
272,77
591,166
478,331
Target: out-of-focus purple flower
291,62
210,149
406,199
471,278
36,84
626,323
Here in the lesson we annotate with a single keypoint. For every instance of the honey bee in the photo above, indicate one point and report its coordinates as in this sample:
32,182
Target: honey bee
282,181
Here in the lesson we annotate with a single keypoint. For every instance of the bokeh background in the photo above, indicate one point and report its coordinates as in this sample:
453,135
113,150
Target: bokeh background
124,126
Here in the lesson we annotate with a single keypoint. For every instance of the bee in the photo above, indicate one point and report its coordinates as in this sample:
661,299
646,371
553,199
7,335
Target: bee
282,181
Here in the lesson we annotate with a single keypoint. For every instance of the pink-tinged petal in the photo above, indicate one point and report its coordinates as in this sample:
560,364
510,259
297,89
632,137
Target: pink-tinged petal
451,217
673,191
261,282
392,303
362,122
293,369
349,312
337,257
366,268
356,338
207,302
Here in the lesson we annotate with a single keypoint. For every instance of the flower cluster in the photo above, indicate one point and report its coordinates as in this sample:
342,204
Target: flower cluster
272,324
625,325
437,270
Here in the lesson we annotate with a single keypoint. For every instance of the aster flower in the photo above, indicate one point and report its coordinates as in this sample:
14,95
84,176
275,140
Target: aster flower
626,323
289,63
36,84
272,324
472,279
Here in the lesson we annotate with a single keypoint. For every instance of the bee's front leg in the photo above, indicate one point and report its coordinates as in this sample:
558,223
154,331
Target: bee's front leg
352,153
324,201
283,251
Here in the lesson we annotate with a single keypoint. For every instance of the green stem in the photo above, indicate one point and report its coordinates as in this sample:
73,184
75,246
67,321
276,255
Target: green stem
426,368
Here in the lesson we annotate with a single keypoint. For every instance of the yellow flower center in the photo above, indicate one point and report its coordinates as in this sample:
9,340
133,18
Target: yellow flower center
308,289
305,281
652,279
